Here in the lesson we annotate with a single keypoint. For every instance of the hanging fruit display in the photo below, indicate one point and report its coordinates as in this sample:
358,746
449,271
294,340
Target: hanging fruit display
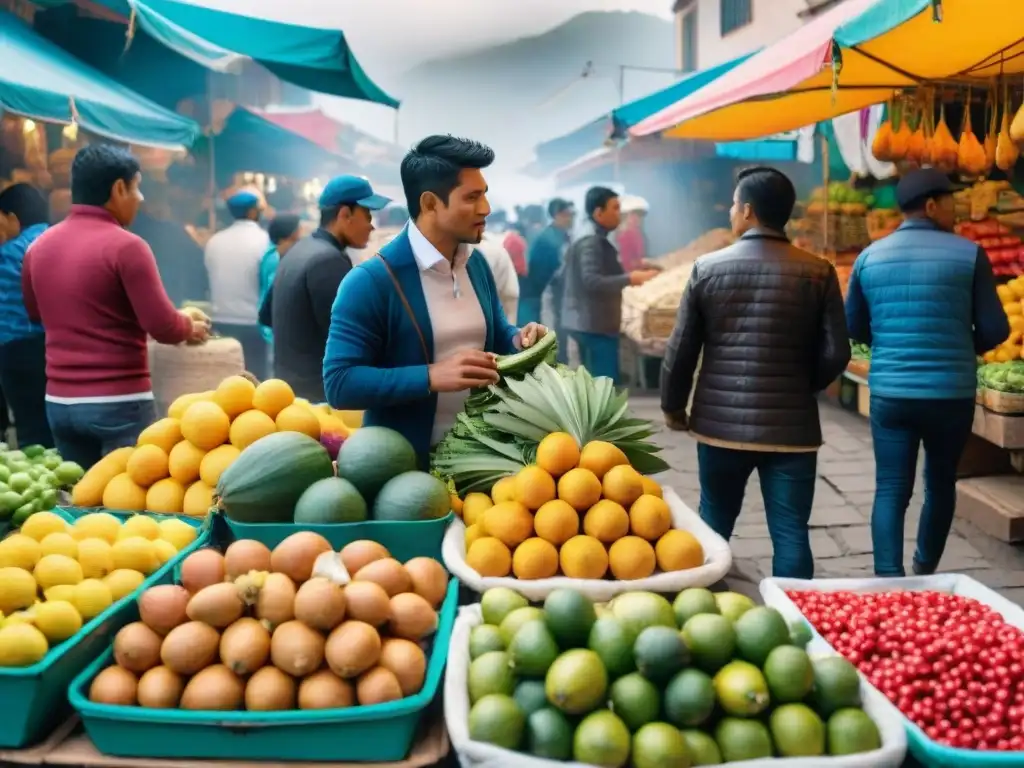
1007,151
945,149
881,145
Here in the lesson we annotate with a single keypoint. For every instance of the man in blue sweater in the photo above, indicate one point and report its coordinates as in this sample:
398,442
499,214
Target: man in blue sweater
925,300
415,328
544,258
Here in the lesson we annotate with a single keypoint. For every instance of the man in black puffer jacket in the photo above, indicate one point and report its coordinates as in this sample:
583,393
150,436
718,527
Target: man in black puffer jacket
769,320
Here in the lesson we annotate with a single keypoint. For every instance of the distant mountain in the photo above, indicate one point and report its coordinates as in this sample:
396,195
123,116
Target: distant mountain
517,94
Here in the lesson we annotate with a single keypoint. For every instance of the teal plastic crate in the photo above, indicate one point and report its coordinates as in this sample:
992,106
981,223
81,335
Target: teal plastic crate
37,695
378,733
404,540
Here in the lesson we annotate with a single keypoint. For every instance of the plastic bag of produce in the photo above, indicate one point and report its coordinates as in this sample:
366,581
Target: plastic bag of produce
717,562
475,754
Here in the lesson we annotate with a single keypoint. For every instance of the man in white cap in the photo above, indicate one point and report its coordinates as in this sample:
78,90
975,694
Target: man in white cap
630,238
233,257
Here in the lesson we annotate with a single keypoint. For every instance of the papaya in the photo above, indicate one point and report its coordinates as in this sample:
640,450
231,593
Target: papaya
88,492
267,479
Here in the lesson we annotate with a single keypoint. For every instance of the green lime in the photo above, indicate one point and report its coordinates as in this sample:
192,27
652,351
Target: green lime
689,699
601,739
758,632
498,603
797,731
20,482
570,616
532,649
703,749
48,499
659,745
732,605
549,734
530,696
836,685
577,682
660,652
739,739
711,640
5,474
635,699
491,673
800,633
613,643
68,472
850,732
484,638
741,689
495,719
513,621
789,674
23,513
692,602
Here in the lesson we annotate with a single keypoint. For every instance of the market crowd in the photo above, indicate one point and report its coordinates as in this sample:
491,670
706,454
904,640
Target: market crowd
407,332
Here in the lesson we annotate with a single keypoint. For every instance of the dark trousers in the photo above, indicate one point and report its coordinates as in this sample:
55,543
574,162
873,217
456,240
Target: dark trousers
898,428
787,487
254,347
599,354
86,432
23,380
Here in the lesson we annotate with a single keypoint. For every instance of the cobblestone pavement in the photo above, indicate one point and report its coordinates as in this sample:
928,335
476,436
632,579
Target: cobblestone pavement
840,522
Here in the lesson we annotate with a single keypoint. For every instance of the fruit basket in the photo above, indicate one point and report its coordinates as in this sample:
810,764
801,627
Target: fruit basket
475,754
717,562
928,752
404,539
376,733
41,689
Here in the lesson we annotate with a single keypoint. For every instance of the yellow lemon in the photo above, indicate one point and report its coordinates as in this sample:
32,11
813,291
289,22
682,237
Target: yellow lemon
21,645
42,524
19,551
59,544
135,553
177,532
60,592
97,525
123,582
52,570
21,617
164,550
139,525
92,597
17,589
474,506
57,619
94,555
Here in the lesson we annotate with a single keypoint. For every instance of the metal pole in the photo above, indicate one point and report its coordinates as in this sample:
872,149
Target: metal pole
395,138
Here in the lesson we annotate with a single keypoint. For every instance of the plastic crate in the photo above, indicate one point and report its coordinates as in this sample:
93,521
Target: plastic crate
38,694
378,733
929,753
404,540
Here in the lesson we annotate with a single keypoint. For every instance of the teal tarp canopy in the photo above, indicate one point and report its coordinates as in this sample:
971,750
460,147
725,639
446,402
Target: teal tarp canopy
317,59
44,82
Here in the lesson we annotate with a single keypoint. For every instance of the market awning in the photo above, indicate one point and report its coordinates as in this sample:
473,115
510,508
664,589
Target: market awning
593,136
41,81
317,59
851,57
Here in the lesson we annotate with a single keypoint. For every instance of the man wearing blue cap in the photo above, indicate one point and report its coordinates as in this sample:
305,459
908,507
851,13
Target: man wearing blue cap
925,301
233,258
307,282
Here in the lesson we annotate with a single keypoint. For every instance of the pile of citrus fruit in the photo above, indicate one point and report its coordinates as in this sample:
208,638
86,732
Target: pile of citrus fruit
178,460
707,679
586,514
55,575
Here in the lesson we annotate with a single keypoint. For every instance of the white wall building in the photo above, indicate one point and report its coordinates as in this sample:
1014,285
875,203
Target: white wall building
710,32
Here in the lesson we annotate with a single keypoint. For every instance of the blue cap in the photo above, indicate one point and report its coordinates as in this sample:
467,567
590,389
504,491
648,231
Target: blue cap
351,190
242,202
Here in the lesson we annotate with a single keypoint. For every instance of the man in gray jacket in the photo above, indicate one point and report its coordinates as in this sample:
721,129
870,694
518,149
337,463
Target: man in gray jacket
307,282
593,280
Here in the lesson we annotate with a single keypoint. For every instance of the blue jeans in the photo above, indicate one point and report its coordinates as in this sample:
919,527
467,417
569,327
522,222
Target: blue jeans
898,428
86,432
787,487
23,380
599,354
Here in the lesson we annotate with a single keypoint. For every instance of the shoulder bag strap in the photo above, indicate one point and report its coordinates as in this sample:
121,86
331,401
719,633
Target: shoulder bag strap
408,308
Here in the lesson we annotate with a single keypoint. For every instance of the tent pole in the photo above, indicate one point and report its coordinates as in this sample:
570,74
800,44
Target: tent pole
212,176
825,183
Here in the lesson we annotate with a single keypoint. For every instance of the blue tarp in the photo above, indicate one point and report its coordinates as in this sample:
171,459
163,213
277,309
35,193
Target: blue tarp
41,81
317,59
559,152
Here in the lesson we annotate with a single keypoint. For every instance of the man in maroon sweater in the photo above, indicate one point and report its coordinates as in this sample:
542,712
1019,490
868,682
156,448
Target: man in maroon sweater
96,289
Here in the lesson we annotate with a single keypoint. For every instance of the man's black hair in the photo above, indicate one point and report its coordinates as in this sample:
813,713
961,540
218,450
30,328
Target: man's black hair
597,198
328,215
918,204
769,192
96,168
557,206
26,203
434,165
282,227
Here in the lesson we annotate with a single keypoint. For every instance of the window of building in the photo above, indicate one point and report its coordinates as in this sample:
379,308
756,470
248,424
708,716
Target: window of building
689,42
735,14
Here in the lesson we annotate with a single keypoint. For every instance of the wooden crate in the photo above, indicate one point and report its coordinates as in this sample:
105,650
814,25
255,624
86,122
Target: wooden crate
999,429
1003,402
659,323
863,401
994,504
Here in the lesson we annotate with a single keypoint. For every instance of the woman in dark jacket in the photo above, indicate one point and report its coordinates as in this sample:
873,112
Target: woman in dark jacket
24,216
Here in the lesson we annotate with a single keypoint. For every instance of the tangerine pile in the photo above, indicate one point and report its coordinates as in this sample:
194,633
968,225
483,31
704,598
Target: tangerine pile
175,466
585,514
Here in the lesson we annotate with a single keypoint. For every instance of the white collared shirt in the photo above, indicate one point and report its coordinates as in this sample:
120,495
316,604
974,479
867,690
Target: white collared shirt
233,258
456,316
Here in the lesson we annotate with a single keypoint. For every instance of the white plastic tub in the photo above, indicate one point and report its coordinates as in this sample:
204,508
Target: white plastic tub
474,754
928,752
717,562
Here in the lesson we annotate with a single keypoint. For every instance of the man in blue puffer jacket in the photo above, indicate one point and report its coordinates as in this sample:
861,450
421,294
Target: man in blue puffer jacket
925,300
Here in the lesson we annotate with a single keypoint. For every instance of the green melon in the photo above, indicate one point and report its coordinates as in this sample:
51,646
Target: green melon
266,481
411,496
371,456
331,500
